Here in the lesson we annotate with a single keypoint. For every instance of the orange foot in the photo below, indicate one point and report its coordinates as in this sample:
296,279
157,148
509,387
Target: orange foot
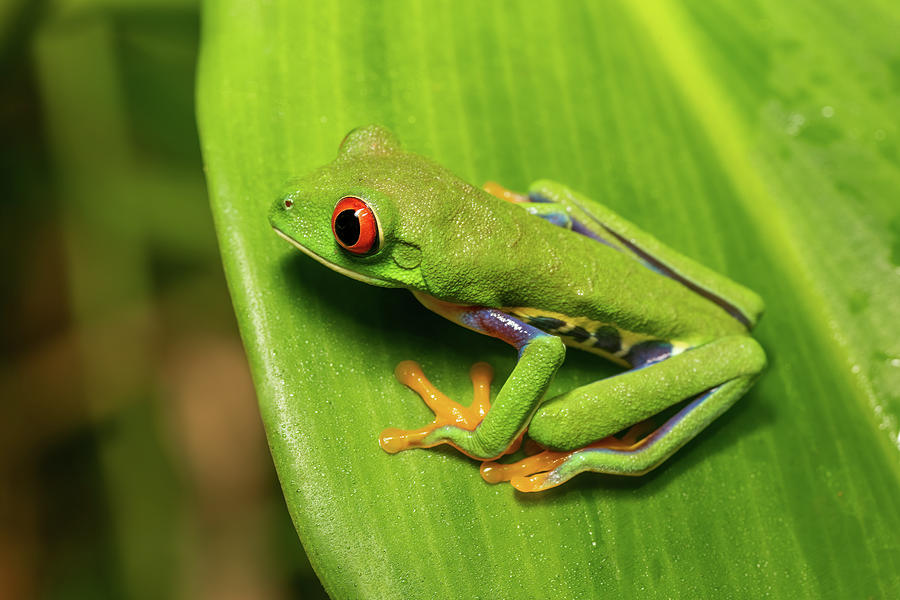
533,474
446,411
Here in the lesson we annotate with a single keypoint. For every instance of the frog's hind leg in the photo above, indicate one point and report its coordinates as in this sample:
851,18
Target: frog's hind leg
564,423
599,222
495,189
557,213
551,468
552,212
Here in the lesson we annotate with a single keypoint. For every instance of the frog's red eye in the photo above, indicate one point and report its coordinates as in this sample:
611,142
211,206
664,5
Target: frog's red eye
354,226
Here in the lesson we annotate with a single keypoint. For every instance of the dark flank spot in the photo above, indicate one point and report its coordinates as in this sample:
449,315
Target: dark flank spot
579,333
648,352
546,323
607,338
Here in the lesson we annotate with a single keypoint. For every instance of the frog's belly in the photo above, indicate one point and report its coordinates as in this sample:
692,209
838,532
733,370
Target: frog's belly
627,348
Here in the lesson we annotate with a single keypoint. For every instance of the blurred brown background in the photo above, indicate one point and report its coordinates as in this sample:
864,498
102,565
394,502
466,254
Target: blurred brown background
132,457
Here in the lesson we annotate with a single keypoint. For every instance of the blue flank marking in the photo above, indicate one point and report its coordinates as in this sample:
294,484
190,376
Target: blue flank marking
558,219
535,197
579,227
498,324
650,352
564,218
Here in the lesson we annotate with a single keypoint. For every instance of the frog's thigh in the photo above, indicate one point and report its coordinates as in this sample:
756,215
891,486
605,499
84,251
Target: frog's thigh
717,373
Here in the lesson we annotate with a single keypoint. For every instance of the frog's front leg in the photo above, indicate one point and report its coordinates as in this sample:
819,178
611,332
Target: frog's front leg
540,355
710,377
446,411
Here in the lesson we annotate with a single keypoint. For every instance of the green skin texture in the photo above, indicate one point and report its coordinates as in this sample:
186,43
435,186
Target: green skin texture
443,238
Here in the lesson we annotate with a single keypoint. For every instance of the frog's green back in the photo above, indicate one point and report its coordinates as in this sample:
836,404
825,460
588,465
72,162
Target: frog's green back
493,253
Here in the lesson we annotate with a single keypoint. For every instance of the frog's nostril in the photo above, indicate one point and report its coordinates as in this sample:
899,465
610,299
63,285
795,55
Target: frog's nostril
288,203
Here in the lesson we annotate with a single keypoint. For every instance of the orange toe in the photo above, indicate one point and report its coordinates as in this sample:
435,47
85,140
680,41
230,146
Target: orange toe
446,411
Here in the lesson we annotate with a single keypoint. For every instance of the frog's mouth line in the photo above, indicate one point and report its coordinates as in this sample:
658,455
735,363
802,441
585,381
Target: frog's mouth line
331,265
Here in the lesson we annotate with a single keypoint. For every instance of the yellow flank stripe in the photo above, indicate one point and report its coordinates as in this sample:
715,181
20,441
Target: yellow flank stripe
586,346
628,339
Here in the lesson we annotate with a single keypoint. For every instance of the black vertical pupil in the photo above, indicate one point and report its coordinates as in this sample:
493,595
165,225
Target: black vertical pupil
346,227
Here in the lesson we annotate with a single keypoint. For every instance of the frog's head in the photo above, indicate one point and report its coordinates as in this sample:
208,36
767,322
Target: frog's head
370,212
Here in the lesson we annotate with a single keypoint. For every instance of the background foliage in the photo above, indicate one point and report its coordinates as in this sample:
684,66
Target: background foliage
759,137
132,459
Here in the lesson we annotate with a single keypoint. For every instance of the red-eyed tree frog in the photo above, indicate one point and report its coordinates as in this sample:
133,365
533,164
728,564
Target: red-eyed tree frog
540,271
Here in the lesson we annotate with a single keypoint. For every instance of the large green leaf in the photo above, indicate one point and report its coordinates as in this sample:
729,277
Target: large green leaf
760,138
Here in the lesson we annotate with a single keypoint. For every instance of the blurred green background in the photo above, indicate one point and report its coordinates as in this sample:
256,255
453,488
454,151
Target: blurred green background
134,463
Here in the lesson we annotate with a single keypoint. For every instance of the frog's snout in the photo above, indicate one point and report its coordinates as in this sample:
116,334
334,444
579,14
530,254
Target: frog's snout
279,214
